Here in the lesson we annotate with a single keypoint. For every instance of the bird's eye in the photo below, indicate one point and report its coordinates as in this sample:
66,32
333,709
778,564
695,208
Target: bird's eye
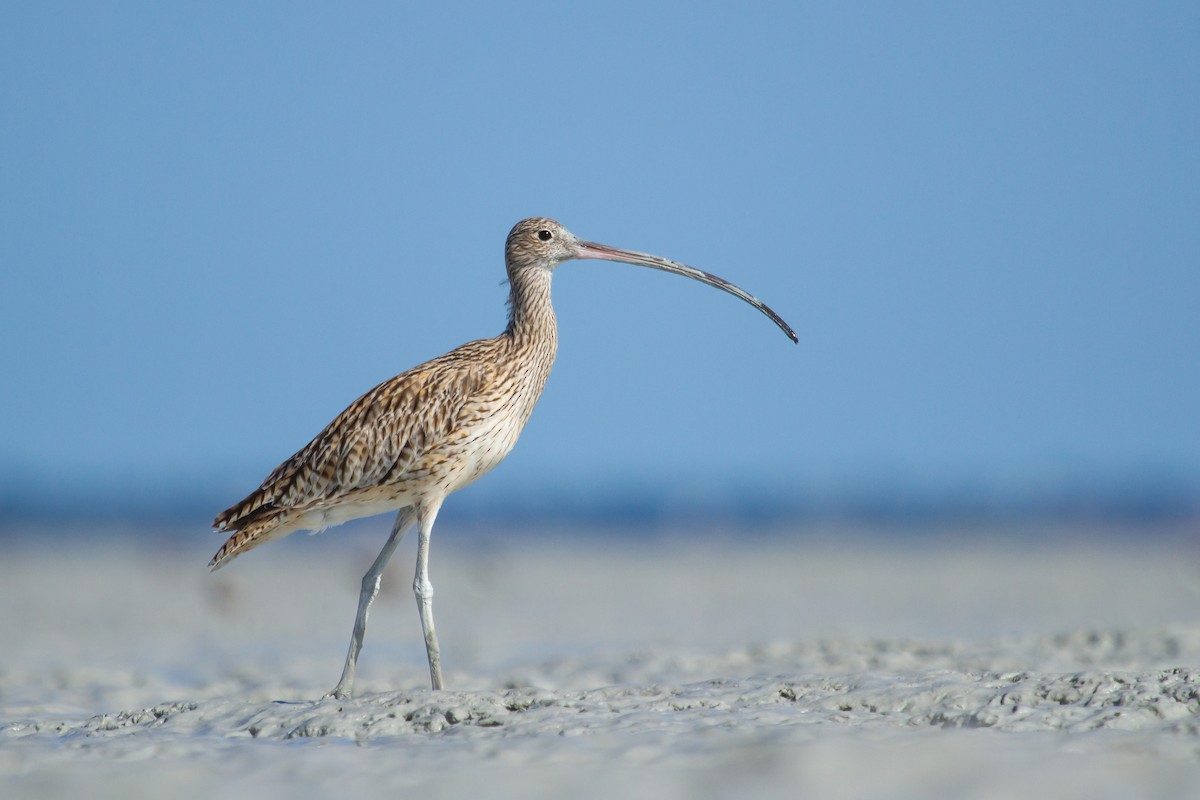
545,236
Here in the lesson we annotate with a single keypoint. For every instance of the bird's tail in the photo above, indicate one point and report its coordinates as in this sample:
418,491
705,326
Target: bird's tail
254,534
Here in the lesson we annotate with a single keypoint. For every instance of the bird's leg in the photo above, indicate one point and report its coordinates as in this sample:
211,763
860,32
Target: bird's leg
370,588
423,589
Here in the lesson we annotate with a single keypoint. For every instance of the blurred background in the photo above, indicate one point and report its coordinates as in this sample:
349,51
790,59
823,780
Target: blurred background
222,222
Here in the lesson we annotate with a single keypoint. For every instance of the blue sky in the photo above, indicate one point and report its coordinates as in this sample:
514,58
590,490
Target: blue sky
224,221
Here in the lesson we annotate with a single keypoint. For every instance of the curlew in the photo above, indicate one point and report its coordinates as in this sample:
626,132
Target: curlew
430,431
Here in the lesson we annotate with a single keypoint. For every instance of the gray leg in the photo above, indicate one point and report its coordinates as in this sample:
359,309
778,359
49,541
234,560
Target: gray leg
370,588
424,589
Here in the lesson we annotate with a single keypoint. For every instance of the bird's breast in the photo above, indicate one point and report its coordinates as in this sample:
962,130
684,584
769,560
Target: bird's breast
495,423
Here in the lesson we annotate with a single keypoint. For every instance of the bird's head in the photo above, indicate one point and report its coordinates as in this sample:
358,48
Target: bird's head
539,243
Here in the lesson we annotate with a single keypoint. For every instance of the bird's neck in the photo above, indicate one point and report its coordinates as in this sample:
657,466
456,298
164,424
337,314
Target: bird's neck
530,342
531,320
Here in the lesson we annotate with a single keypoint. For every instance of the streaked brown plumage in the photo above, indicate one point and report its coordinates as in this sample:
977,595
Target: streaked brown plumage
418,437
415,433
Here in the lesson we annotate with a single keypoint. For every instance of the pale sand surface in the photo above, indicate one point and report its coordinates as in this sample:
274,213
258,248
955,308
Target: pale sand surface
1000,664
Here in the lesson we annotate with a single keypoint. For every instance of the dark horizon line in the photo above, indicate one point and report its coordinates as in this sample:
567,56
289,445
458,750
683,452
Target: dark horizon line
1156,502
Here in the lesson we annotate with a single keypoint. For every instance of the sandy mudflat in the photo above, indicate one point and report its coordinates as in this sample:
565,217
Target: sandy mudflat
988,665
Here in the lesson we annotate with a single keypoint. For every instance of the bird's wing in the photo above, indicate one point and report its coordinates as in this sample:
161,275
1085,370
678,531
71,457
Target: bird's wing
375,440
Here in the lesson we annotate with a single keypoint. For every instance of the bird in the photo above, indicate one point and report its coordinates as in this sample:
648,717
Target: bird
414,439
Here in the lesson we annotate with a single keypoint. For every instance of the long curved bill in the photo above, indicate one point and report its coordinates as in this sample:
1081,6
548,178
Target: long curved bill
604,252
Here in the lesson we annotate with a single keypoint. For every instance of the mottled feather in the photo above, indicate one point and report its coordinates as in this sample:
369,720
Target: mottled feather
395,440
